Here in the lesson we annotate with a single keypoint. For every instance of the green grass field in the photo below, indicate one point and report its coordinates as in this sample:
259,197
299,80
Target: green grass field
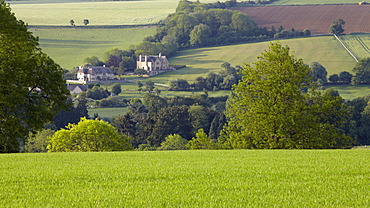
199,62
69,47
234,178
349,92
303,2
358,44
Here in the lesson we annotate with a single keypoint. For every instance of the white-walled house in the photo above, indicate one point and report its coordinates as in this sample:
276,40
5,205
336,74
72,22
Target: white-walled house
152,63
94,73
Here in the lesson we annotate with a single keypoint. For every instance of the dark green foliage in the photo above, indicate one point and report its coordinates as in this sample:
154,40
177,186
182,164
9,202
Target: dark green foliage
97,93
345,77
337,27
73,115
362,70
334,78
32,86
179,84
318,72
37,142
116,88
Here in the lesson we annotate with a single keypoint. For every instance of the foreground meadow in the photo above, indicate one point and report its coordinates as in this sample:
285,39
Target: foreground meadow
236,178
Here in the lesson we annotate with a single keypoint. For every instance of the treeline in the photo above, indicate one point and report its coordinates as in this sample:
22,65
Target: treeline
197,25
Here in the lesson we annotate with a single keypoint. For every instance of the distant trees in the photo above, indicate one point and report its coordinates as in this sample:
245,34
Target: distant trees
362,70
72,22
337,27
319,73
116,88
86,22
87,136
268,110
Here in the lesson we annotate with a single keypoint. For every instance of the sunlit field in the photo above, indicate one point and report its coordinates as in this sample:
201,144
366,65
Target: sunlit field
223,178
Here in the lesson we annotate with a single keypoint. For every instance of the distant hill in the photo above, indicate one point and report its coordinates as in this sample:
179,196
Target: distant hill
315,18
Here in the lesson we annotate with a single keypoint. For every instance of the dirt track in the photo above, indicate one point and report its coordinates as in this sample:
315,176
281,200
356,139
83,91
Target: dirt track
315,18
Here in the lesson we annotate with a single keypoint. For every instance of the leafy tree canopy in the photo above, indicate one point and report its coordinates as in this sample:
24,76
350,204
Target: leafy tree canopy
87,136
32,86
269,109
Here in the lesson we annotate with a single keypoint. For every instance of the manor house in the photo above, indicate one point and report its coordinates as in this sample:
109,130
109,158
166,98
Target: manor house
152,63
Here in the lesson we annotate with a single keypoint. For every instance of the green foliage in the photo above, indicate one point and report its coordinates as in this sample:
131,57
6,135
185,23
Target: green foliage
200,141
97,93
93,61
116,88
140,72
198,118
87,136
318,72
268,108
37,142
337,27
362,70
173,142
32,85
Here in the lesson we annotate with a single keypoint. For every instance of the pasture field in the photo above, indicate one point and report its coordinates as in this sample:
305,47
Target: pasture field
303,2
317,19
210,178
60,12
69,47
325,50
358,44
349,92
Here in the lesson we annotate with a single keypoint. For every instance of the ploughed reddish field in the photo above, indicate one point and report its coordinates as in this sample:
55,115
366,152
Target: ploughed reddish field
317,19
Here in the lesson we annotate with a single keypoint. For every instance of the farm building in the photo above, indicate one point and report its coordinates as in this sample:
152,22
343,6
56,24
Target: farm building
76,89
362,3
152,63
94,73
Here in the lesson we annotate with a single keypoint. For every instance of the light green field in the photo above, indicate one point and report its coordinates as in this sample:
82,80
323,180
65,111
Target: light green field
234,178
349,92
60,12
199,62
303,2
358,44
69,47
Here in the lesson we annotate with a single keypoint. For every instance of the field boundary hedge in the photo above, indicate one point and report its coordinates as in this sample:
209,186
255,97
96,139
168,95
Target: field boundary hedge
345,47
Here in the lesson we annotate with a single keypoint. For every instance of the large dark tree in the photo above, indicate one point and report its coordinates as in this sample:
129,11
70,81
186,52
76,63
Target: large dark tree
32,87
337,27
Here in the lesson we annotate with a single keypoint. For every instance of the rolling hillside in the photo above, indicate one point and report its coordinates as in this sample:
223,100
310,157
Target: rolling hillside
317,19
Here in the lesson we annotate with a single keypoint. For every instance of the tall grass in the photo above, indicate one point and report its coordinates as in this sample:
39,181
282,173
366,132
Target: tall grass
239,178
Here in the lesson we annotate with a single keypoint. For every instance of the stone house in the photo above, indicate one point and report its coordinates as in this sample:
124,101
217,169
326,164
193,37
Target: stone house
94,73
152,63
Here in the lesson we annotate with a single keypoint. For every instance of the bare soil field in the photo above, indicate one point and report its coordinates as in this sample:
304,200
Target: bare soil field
317,19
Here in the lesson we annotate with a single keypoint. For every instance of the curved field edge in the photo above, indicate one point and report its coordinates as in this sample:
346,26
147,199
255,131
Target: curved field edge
69,47
325,50
234,178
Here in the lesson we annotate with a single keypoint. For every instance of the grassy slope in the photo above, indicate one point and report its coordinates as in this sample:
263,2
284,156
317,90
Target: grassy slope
69,47
239,178
324,50
358,44
302,2
60,12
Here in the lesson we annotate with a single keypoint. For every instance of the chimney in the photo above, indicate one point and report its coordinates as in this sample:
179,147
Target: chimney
160,54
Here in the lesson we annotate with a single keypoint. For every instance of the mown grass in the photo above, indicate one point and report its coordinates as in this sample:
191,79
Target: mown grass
350,92
303,2
69,47
325,50
235,178
358,44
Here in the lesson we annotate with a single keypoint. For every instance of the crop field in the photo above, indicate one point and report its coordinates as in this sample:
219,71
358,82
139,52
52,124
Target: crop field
303,2
234,178
358,44
69,47
325,50
317,19
60,12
